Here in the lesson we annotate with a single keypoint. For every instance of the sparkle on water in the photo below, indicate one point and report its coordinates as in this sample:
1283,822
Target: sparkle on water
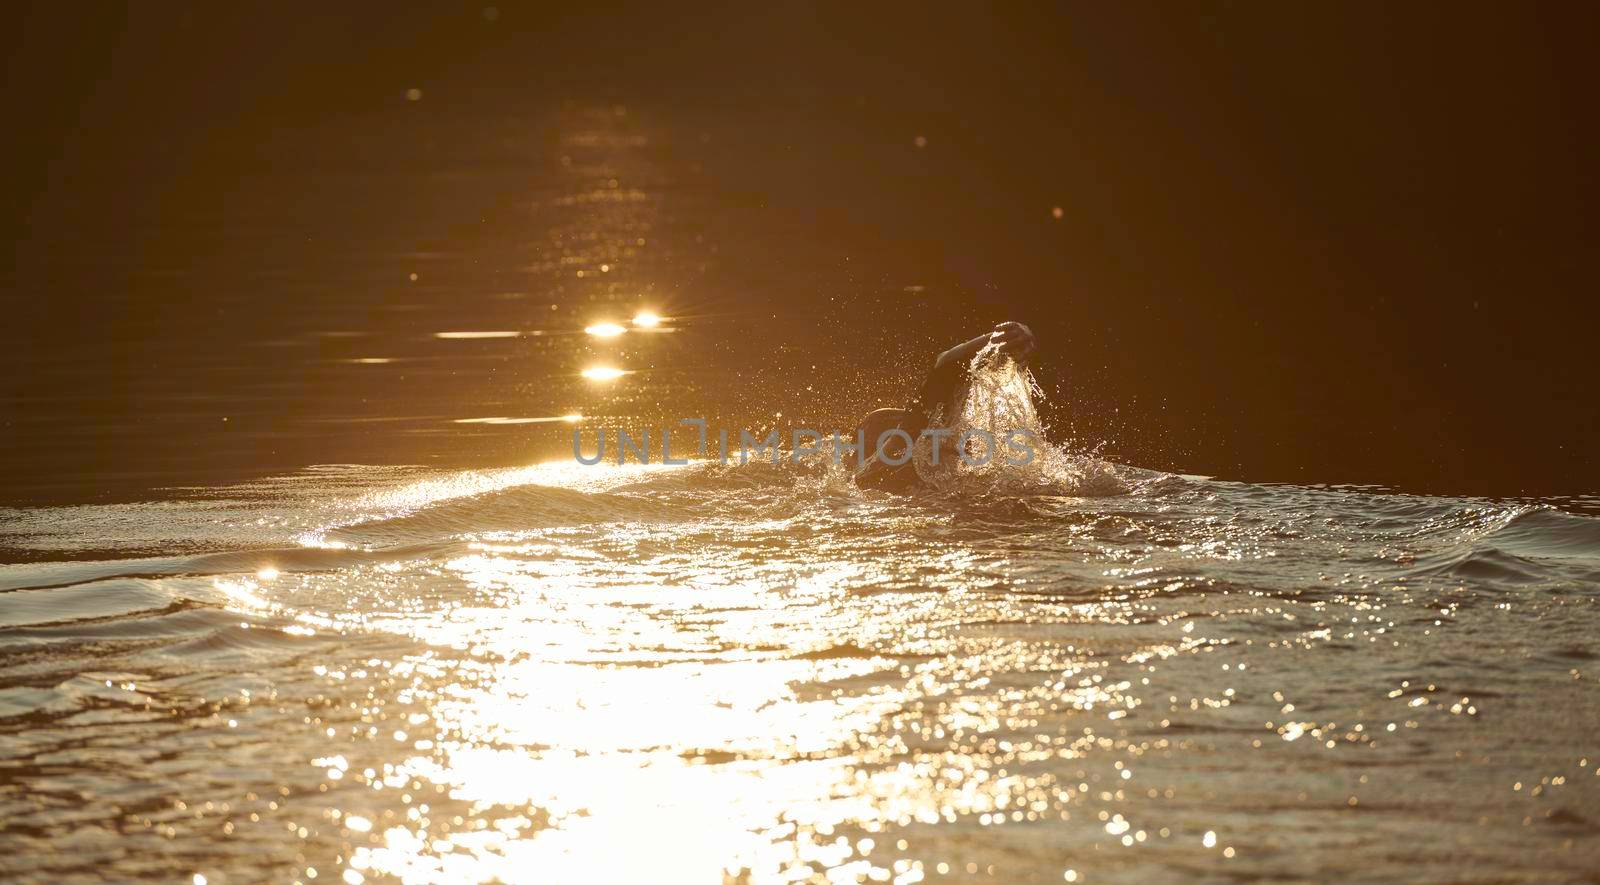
603,373
500,333
1070,672
502,419
605,330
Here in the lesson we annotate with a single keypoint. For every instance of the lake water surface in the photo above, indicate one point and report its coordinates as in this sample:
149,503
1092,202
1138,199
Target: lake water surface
231,665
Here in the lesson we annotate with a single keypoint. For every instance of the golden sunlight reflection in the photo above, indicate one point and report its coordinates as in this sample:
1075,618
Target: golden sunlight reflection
605,330
727,726
501,419
622,748
500,333
750,692
645,319
603,373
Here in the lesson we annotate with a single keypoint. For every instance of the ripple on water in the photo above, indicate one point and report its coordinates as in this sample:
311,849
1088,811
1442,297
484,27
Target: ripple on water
760,671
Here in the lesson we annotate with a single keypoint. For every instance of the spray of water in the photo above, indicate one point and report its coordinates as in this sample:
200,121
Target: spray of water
1000,398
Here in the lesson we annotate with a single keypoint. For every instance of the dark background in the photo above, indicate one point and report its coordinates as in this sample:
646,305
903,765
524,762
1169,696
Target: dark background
1300,242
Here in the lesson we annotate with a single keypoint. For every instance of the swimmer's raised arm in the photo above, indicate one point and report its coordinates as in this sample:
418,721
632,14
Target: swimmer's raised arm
949,371
1014,340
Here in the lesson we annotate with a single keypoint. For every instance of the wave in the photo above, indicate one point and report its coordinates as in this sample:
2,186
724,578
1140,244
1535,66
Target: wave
512,509
1519,545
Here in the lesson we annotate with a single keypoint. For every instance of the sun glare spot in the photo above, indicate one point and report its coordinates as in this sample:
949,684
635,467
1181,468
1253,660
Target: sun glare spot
603,373
605,330
645,319
268,573
502,419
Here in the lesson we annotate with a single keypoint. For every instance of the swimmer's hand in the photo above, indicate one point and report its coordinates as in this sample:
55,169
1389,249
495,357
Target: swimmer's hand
1009,339
1013,339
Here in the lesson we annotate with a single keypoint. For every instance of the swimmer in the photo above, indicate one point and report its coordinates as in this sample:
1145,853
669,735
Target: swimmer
888,465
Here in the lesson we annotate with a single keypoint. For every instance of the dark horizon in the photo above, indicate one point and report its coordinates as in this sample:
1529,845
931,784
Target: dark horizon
1341,244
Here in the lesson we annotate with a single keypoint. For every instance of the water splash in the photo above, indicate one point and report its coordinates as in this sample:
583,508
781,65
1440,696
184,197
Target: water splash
998,403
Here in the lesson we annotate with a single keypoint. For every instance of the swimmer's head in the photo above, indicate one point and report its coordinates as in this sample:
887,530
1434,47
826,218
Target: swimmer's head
873,427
